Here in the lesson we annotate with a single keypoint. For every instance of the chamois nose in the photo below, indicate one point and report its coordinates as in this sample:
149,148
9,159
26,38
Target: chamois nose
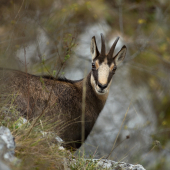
102,86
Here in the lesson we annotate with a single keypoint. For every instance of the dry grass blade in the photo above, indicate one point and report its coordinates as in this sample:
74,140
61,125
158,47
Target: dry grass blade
118,132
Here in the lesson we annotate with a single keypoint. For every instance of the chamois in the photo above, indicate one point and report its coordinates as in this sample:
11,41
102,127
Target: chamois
32,93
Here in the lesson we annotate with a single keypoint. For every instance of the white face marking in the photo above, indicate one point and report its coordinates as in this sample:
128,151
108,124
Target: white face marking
93,82
103,73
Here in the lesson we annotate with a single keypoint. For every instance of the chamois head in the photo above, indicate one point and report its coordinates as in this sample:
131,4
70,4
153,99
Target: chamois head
104,65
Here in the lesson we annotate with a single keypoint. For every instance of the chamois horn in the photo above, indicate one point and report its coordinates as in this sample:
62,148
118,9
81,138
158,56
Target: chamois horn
113,47
102,45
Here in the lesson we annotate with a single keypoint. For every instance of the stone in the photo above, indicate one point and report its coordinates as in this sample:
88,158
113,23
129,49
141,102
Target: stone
7,144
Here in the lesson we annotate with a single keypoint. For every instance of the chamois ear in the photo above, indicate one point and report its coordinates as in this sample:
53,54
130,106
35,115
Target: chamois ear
93,48
120,55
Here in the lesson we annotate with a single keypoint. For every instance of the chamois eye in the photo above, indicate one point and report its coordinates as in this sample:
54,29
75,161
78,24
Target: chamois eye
93,66
114,69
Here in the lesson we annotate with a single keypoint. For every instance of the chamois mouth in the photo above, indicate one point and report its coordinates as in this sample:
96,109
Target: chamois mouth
100,92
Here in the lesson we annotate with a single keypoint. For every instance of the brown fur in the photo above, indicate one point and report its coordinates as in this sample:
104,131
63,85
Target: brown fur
65,102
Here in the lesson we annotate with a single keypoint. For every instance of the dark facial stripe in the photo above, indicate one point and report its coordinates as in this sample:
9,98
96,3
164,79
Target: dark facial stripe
95,75
110,77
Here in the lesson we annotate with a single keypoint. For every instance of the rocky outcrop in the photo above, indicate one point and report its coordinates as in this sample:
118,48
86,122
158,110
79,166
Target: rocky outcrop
72,161
109,164
7,146
104,163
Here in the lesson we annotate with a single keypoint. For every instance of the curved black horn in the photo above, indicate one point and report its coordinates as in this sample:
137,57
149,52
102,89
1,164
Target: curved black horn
102,45
113,47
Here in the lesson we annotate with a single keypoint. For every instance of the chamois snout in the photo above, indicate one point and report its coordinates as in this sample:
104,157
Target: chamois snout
102,86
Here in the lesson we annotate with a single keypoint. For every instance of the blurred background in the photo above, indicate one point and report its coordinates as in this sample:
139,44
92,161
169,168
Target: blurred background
45,36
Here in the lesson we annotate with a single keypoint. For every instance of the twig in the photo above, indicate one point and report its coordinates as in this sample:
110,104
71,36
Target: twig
127,153
27,81
119,132
83,111
19,9
127,137
156,143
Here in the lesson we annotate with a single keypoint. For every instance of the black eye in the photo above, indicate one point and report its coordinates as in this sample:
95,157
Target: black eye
114,69
93,66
